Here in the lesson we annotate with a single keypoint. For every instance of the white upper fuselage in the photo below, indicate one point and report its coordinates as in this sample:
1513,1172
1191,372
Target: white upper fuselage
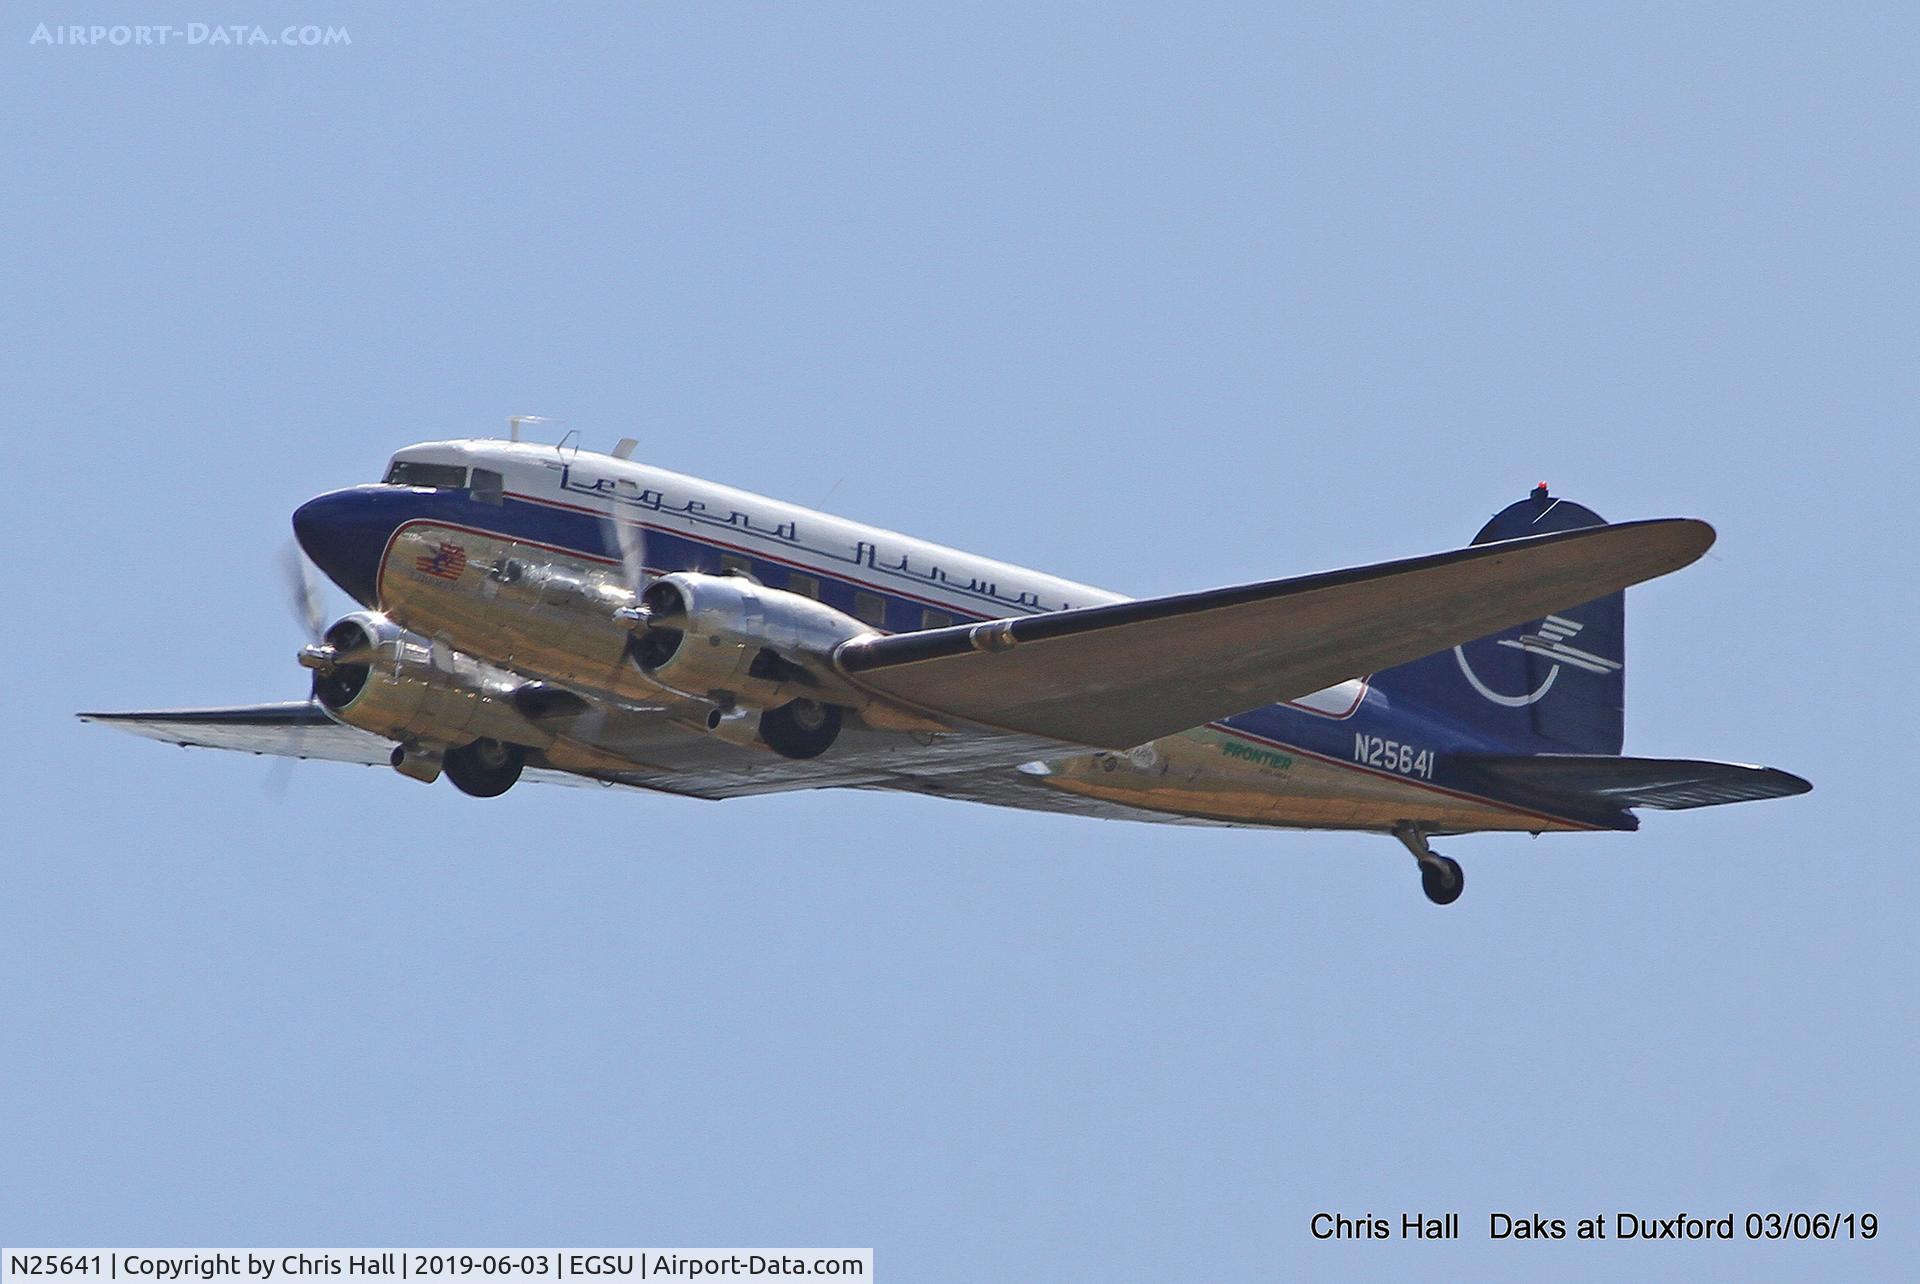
726,518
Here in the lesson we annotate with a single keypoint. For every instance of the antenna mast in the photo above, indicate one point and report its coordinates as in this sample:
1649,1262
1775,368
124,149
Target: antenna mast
513,424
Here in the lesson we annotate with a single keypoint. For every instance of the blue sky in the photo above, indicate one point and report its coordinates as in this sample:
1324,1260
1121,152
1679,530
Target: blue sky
1152,300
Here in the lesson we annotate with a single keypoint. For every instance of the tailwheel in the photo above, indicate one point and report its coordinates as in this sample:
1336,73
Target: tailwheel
486,768
1442,879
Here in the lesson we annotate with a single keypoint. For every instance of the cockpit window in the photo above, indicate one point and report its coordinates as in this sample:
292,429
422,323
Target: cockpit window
488,485
414,472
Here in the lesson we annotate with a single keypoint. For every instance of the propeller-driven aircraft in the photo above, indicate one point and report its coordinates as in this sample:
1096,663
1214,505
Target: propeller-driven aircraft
543,612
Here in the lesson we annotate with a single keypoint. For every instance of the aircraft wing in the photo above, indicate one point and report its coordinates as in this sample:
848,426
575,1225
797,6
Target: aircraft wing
1119,675
294,729
290,729
641,752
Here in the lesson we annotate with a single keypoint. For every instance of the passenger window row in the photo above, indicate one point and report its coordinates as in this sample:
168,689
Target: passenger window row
488,487
869,607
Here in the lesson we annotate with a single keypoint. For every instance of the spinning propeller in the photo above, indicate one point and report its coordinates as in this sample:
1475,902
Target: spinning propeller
304,596
656,617
303,591
640,616
630,539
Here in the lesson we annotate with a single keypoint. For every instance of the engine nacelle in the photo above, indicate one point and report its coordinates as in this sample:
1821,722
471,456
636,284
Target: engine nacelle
409,688
731,641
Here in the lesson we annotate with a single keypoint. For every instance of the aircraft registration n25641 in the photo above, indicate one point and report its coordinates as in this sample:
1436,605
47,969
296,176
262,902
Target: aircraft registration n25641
544,612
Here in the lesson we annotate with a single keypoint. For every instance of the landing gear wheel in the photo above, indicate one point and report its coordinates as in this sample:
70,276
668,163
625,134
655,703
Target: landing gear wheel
485,768
1442,879
800,728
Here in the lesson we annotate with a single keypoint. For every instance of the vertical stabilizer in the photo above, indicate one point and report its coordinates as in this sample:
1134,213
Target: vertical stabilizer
1555,685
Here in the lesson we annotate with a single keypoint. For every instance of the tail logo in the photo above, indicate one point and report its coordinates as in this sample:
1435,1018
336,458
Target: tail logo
1551,641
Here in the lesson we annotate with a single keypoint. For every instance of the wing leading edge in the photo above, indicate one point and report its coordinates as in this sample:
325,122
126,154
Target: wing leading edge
1117,676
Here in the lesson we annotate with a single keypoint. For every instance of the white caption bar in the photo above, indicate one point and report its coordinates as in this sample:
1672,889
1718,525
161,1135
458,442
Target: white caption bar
379,1265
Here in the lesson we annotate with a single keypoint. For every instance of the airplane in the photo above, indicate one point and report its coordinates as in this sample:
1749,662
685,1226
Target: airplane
541,611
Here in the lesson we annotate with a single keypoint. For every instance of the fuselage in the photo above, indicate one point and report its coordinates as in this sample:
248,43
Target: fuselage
508,551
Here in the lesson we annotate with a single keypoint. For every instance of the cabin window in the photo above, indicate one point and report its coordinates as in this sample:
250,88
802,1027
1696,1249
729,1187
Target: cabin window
415,472
935,619
488,486
804,585
870,607
734,564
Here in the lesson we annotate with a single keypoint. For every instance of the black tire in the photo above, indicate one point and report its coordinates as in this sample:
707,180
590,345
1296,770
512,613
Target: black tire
800,728
485,768
1442,879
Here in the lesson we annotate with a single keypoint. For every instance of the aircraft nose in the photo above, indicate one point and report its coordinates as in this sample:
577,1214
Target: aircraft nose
345,532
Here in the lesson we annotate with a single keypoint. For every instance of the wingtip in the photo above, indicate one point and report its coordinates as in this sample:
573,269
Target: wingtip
1703,532
1792,784
1674,541
1782,784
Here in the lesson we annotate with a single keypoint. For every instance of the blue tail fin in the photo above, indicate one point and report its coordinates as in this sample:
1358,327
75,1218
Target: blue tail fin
1556,685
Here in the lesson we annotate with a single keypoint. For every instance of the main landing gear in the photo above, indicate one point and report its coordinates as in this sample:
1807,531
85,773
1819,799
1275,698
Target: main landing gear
800,728
1441,877
486,768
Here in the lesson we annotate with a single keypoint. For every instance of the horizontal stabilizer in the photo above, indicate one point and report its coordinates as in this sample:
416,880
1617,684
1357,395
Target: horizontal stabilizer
1119,675
1670,784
